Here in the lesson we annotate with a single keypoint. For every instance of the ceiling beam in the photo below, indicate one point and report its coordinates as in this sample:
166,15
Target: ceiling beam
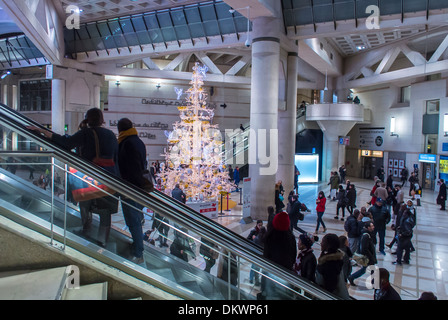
41,23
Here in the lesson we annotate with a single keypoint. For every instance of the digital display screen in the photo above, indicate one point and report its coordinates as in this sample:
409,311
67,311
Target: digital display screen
308,165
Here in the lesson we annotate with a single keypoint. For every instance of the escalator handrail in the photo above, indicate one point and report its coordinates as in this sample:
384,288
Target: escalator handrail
166,206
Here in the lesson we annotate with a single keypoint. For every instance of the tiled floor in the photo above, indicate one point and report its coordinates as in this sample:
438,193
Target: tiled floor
428,270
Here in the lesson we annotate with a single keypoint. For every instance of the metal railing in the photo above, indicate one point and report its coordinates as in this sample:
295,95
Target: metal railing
235,255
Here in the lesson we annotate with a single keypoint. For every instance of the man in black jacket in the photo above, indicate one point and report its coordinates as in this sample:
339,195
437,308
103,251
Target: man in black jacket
132,162
381,217
366,248
353,226
441,198
404,231
295,214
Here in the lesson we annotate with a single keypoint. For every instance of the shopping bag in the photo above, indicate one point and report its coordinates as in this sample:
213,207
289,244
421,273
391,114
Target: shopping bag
85,188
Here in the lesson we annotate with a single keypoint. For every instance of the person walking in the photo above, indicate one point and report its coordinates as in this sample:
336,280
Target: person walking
406,224
441,197
342,202
295,214
131,161
351,197
404,176
320,209
381,217
367,249
236,178
353,226
334,184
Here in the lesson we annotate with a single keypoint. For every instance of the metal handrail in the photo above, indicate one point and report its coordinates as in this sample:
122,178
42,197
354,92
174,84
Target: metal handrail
175,210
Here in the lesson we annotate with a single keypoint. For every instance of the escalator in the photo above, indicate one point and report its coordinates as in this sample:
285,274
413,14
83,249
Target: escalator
47,208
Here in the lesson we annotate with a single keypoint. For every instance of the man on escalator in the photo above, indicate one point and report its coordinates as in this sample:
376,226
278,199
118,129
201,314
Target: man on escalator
132,163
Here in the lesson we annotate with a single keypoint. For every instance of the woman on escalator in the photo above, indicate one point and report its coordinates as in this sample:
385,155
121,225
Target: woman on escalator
85,143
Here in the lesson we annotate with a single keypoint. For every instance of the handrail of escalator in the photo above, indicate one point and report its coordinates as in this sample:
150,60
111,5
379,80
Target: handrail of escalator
166,206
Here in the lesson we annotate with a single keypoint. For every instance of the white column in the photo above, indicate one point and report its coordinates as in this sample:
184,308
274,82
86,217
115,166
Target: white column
58,106
287,127
97,97
263,115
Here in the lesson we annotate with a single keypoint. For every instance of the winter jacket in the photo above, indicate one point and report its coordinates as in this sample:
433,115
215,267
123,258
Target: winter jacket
179,195
381,216
353,227
367,247
320,207
334,182
351,196
280,247
342,200
132,160
330,274
84,142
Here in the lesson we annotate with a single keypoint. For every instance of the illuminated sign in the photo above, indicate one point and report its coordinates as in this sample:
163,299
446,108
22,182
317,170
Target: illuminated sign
308,165
426,157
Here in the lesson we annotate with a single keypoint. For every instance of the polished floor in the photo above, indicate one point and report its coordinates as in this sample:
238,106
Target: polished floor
428,268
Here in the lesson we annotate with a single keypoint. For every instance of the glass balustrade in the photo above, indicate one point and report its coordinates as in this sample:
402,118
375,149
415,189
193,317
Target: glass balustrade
81,205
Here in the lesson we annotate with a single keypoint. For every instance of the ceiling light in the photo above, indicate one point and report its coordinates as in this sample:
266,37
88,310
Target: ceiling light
361,48
7,73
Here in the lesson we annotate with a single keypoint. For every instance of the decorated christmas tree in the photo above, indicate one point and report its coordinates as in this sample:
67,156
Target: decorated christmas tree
193,158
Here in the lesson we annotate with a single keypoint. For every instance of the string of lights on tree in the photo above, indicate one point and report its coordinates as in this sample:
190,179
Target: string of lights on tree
193,158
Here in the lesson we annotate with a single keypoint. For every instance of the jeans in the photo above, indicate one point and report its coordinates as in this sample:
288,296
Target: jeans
343,210
358,273
319,220
404,244
133,219
381,235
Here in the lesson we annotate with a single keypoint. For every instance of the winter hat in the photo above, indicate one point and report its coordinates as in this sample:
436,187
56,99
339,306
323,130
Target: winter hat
281,221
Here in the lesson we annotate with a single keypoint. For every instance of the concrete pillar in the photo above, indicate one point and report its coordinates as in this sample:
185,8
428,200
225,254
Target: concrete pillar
58,106
97,97
14,105
264,114
287,127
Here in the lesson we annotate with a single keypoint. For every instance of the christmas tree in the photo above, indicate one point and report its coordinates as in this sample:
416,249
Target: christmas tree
193,158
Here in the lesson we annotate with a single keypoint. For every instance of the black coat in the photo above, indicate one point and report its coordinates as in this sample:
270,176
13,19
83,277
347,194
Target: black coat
353,227
280,247
367,247
381,216
84,142
442,191
132,160
351,196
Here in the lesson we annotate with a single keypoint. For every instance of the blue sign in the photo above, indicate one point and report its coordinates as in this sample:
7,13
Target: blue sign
427,157
444,146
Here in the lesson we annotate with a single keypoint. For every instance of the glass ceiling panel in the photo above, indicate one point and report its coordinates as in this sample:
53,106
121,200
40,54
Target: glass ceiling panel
186,22
178,17
302,12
